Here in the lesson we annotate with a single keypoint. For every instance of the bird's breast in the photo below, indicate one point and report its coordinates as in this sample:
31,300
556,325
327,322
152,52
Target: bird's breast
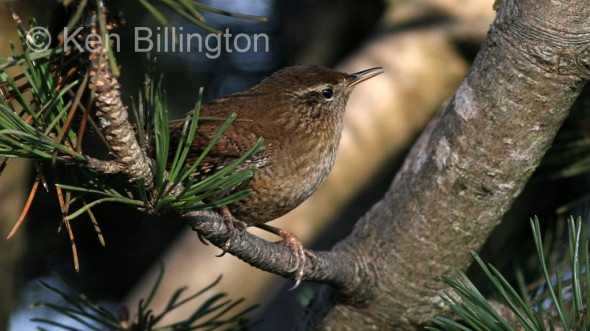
292,175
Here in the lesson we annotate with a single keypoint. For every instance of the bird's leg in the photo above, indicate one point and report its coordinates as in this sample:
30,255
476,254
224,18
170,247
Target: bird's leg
291,241
233,224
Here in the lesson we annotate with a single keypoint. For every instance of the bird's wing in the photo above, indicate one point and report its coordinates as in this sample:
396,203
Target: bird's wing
233,144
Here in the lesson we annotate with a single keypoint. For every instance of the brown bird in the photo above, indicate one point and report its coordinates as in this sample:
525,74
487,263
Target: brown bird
299,112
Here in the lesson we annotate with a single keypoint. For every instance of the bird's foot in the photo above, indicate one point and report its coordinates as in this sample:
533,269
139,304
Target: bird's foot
300,255
233,226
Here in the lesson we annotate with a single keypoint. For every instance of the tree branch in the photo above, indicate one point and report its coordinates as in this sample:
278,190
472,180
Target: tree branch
466,169
113,118
327,267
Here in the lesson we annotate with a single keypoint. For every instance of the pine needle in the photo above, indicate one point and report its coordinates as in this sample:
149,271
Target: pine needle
27,206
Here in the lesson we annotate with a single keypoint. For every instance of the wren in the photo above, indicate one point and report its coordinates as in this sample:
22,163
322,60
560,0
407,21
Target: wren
299,112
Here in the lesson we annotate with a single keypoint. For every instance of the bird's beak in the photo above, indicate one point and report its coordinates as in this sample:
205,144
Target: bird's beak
361,76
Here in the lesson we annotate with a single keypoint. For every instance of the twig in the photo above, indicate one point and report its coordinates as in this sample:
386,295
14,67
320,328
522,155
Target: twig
130,159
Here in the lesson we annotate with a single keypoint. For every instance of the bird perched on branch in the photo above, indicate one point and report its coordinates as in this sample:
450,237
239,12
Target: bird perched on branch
299,112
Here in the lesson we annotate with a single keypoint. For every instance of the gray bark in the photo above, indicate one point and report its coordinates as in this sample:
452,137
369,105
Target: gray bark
465,170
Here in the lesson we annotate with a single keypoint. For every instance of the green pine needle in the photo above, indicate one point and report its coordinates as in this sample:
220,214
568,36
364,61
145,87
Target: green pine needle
192,11
564,311
216,313
32,126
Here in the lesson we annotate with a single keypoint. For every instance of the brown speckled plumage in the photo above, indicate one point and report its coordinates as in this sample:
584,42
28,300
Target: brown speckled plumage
301,124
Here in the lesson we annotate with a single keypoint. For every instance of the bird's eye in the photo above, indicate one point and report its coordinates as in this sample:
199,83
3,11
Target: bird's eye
327,93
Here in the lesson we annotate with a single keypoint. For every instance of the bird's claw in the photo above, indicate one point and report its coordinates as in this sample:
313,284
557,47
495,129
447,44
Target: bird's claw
299,259
201,239
233,225
299,256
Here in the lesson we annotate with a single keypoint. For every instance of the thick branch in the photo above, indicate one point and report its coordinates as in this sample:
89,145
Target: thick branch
468,166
